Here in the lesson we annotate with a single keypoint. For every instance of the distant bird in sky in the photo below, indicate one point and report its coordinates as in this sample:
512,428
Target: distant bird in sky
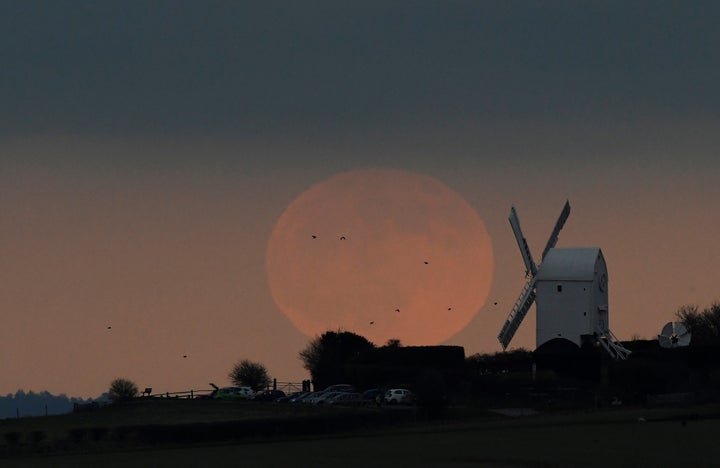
314,236
342,237
495,303
372,323
109,327
397,310
426,262
184,356
449,308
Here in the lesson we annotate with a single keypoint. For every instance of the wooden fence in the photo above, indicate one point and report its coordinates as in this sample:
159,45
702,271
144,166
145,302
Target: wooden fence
287,387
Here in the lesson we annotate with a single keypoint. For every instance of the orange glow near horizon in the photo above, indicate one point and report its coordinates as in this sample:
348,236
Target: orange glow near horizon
382,253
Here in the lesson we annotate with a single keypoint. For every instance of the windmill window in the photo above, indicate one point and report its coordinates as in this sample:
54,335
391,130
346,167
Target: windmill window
559,288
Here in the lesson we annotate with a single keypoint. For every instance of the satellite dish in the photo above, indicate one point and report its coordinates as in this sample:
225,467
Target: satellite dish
674,335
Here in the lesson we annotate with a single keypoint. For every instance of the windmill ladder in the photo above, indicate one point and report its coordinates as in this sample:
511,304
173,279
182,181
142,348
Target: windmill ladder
519,310
612,345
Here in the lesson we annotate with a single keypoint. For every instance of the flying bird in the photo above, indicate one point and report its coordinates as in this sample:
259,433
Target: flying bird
372,323
109,328
397,310
184,356
342,237
495,303
449,308
314,236
426,262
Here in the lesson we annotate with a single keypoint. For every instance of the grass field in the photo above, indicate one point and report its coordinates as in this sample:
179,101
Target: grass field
628,437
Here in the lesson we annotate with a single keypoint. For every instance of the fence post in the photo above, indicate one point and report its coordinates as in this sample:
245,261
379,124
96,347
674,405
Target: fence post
191,394
274,384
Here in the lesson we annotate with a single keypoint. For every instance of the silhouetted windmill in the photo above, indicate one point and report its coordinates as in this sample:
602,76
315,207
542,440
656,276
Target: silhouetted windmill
571,288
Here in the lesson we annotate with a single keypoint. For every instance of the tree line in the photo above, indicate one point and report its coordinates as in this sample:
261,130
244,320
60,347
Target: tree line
30,403
703,324
326,357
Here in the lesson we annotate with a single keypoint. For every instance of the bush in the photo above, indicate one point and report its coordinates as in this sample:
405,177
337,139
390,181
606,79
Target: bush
122,390
37,436
432,393
99,433
250,374
77,434
12,438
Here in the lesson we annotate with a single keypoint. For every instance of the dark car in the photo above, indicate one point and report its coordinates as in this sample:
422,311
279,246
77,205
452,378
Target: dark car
287,398
299,398
373,396
340,388
268,395
345,399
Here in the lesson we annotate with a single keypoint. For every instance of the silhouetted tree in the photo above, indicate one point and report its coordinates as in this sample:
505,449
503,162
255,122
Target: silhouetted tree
326,356
250,374
122,389
393,343
704,325
689,315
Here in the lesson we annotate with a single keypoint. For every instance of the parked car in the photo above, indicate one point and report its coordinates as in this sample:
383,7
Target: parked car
322,399
312,397
345,399
234,393
300,398
399,395
287,398
340,388
370,396
268,395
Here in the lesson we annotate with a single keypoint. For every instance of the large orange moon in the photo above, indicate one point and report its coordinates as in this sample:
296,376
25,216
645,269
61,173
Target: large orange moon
383,253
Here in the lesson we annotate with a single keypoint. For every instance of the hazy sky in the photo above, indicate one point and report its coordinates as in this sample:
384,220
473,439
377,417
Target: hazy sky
148,148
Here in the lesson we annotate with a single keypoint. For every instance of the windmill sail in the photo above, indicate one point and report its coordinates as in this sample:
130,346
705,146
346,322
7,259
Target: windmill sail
527,295
552,241
530,266
519,310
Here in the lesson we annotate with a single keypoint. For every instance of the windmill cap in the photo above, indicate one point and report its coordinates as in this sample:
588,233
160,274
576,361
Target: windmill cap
575,264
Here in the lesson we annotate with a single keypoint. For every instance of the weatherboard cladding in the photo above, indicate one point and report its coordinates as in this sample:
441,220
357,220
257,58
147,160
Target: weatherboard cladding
577,264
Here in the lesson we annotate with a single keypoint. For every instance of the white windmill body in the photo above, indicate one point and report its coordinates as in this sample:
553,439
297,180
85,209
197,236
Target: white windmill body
572,295
570,289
